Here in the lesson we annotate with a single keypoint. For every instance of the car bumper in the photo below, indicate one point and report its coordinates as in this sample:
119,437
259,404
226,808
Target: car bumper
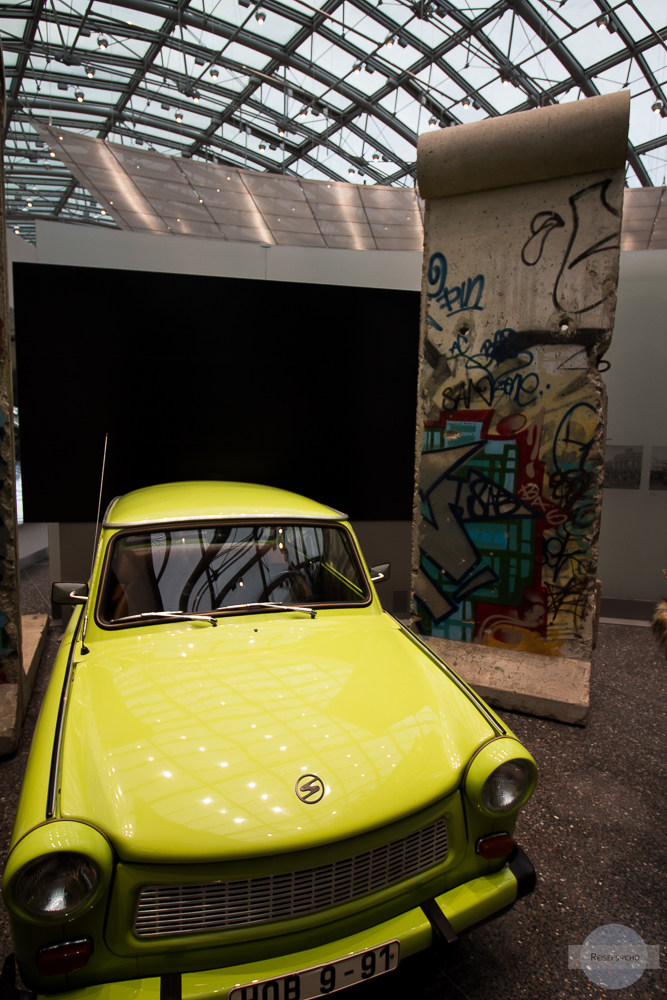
440,921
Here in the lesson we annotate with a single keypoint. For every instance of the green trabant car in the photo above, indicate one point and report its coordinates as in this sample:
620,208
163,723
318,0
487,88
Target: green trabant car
248,781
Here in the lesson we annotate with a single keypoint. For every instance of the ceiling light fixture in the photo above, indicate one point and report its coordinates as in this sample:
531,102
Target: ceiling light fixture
90,72
260,17
504,78
79,96
466,102
214,73
179,117
102,43
262,147
658,108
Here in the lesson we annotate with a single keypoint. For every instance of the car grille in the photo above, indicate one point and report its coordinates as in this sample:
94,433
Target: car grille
169,910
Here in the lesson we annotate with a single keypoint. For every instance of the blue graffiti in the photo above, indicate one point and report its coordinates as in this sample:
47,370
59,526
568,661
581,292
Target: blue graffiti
477,533
456,298
497,370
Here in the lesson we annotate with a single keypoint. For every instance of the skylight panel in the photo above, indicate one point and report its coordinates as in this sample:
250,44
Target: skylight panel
225,78
475,66
315,49
351,23
310,171
645,124
131,17
244,55
545,69
396,54
274,28
305,82
337,164
440,86
369,32
12,28
652,11
628,17
505,97
505,32
593,43
656,57
617,77
117,43
655,163
577,12
426,35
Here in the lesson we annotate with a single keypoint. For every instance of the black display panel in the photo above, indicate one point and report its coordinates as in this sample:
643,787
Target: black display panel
308,387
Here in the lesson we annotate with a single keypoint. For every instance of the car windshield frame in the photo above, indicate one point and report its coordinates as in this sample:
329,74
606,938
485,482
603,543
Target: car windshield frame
215,568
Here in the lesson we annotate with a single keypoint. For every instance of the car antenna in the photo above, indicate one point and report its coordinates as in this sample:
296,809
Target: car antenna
84,648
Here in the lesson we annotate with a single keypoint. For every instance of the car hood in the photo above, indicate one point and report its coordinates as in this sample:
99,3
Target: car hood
186,742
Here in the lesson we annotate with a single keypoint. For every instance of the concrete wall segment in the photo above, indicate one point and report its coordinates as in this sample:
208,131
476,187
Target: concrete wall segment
537,145
518,299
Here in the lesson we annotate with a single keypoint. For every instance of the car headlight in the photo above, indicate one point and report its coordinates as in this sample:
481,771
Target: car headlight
505,787
56,885
501,777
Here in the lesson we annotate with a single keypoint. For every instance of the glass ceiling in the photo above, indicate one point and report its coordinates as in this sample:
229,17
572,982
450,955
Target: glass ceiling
337,91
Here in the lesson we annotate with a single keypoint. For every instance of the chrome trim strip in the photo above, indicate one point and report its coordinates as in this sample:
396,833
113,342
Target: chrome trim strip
52,793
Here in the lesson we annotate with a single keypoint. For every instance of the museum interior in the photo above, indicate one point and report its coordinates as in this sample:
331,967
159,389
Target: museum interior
407,258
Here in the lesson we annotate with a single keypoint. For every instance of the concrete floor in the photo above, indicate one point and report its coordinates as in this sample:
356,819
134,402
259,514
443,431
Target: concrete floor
595,831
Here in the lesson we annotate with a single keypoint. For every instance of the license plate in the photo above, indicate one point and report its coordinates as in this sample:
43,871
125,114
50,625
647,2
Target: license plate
323,979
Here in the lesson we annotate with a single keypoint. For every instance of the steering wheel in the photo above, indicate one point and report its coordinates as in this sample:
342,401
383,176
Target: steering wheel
282,580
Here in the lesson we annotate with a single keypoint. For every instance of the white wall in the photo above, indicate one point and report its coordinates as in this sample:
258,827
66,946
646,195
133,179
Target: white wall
85,246
633,545
633,540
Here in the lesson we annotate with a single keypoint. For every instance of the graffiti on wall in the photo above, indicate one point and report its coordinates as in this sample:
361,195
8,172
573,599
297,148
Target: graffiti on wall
587,204
511,466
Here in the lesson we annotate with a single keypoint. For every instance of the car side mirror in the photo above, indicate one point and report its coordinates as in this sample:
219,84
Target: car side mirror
69,593
380,572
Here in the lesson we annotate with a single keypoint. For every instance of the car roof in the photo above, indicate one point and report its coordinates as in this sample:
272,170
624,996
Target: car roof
210,500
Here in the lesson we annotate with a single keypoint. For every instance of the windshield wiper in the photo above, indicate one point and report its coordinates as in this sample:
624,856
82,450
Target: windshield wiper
185,615
268,606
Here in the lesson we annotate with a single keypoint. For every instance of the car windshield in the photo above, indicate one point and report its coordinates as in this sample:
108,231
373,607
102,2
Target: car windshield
201,569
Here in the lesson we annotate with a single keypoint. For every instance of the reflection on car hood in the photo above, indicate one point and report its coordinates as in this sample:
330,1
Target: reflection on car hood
186,742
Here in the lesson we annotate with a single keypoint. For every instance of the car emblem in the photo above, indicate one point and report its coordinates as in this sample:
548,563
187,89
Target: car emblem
310,789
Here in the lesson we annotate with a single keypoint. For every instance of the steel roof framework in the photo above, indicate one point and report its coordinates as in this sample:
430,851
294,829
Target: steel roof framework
337,91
